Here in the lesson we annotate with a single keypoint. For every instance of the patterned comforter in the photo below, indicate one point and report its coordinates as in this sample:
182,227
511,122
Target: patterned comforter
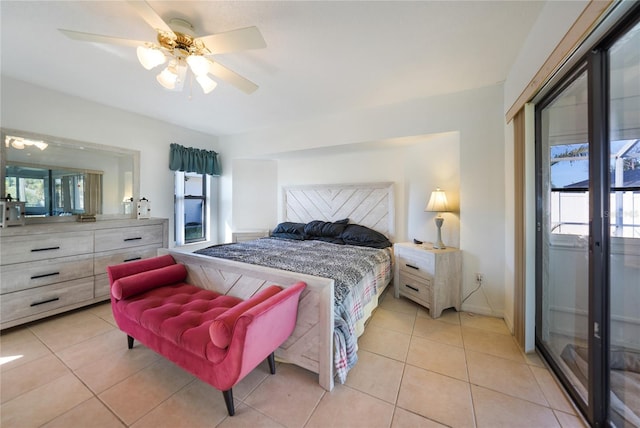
358,273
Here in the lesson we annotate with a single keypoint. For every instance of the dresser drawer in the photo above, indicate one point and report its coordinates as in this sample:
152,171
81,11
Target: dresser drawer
101,287
19,249
22,276
127,237
41,299
423,267
108,258
416,288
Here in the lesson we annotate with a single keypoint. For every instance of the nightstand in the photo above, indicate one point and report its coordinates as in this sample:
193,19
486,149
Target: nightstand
429,277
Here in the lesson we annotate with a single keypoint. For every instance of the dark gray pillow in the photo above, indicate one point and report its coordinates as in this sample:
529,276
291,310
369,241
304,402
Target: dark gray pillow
355,234
325,229
289,230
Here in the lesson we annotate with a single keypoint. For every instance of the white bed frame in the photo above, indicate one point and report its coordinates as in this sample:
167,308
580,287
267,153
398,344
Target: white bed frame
311,343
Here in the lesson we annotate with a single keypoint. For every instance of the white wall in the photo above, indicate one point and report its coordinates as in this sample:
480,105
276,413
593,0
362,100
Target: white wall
30,108
474,117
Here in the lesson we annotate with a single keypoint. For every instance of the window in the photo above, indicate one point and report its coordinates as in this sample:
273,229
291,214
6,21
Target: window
49,192
191,207
570,188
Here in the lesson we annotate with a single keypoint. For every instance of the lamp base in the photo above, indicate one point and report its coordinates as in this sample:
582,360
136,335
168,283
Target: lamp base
439,245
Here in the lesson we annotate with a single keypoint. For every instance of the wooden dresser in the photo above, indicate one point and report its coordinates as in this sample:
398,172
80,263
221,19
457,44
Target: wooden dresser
50,268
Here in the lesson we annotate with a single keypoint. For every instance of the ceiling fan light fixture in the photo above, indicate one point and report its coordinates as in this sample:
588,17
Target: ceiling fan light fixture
167,78
198,64
150,57
206,83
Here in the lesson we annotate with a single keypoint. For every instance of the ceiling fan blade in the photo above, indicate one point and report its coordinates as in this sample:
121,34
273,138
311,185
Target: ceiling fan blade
234,40
97,38
232,77
150,16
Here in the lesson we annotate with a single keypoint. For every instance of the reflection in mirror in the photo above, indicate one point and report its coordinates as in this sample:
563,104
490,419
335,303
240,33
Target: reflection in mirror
61,178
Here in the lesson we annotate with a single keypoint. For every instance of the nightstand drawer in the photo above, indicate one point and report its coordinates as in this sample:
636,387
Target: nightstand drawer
418,288
418,266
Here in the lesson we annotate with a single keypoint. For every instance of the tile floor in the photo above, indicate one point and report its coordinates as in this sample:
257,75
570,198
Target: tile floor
461,370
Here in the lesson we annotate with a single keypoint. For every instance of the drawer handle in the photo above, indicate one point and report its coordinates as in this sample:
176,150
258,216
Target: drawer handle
132,259
133,239
411,266
44,275
45,301
35,250
413,288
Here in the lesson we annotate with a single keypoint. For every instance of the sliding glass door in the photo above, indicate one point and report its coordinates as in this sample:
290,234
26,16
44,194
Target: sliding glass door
624,254
563,230
588,229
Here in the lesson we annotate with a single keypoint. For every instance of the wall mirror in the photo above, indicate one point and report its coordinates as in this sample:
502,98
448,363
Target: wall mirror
59,178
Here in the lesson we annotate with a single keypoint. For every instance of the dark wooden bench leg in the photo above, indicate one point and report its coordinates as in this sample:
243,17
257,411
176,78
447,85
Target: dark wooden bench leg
129,341
272,362
228,400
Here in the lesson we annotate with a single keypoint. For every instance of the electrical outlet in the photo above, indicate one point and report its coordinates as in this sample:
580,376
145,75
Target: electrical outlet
479,278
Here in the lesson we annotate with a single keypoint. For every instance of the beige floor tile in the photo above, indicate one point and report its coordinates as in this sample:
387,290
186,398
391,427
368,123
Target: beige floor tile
508,377
533,359
423,312
246,417
569,421
197,405
385,342
69,330
438,357
289,397
91,413
253,379
488,342
494,410
138,394
496,325
103,311
405,419
19,347
401,304
108,344
451,316
108,370
438,331
346,407
437,397
376,375
45,403
551,390
32,375
395,321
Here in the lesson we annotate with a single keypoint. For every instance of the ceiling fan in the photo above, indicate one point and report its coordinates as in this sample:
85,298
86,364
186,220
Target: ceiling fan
181,50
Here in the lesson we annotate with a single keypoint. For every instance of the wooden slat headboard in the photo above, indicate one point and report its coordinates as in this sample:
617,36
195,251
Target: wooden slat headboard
368,204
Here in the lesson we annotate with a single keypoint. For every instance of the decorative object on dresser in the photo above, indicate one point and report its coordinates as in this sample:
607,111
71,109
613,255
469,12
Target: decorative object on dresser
144,209
52,268
438,203
430,277
12,212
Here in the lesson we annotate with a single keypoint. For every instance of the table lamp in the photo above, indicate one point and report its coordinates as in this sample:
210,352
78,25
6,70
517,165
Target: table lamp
438,203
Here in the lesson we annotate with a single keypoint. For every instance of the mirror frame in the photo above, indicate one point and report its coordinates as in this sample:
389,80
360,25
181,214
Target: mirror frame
65,142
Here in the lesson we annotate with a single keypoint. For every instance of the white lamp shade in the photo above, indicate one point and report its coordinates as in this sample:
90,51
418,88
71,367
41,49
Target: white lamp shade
167,78
150,57
206,83
198,64
438,202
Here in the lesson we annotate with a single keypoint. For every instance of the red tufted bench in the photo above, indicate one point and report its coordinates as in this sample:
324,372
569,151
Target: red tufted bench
218,338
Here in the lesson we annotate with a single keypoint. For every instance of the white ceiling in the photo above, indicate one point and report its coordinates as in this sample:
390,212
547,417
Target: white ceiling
321,57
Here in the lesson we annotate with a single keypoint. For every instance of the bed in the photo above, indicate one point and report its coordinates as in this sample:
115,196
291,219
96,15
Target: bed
324,319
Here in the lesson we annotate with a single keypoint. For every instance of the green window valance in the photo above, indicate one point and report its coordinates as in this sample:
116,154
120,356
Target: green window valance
189,159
